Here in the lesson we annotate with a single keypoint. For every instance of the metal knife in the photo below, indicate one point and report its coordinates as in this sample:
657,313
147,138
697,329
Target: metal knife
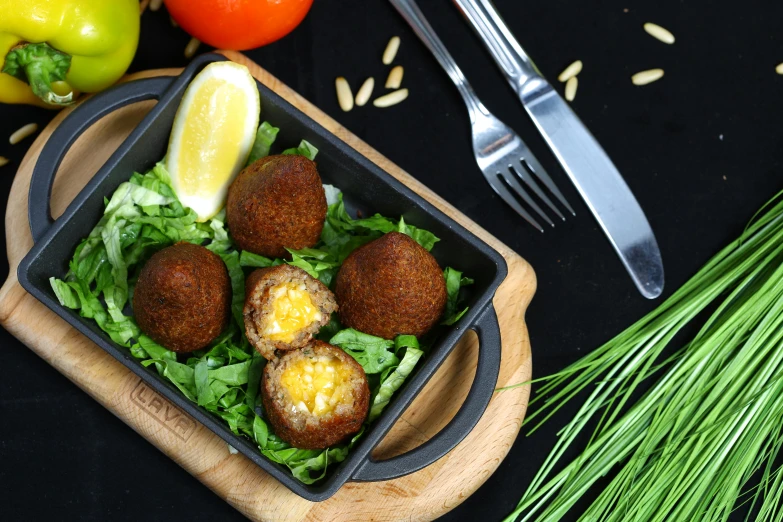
595,176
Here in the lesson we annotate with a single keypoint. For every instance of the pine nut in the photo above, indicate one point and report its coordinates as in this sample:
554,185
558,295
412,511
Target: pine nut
570,88
659,33
570,71
22,133
395,78
365,91
344,96
155,4
192,47
645,77
3,161
393,98
779,68
391,50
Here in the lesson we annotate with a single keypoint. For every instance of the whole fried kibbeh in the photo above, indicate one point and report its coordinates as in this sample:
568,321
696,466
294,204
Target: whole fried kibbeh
182,299
277,202
391,286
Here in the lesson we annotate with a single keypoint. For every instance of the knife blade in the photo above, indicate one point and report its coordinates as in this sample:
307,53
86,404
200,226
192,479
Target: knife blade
584,160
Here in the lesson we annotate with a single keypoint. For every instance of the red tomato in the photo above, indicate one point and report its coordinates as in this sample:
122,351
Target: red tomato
238,24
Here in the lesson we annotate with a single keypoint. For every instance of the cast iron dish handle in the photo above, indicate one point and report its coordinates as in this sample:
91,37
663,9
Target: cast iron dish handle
487,369
69,131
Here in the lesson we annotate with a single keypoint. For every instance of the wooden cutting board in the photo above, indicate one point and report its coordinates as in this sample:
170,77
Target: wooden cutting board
423,495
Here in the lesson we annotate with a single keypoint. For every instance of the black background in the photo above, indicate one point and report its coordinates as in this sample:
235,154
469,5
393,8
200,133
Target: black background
700,149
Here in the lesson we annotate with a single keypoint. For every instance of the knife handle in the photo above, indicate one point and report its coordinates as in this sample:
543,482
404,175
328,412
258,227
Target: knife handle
517,66
412,14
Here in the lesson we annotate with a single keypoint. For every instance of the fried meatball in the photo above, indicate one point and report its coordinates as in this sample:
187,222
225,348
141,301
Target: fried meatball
284,308
278,202
183,297
391,286
315,397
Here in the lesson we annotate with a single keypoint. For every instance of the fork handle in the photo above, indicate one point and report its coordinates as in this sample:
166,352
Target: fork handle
412,14
516,65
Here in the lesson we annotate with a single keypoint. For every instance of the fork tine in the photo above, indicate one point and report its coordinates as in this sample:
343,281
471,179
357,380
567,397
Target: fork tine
506,195
537,170
517,187
529,181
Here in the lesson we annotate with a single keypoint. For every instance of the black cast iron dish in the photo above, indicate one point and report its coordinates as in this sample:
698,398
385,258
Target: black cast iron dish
364,186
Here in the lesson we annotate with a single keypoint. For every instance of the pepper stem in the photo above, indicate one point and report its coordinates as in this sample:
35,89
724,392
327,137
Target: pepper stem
40,65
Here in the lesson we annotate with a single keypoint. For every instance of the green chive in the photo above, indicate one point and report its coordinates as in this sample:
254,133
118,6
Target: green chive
711,421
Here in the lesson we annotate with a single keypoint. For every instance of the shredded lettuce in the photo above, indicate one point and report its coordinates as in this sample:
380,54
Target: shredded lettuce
423,237
65,293
332,194
369,351
305,149
318,263
454,281
144,215
237,277
265,137
392,381
343,234
250,259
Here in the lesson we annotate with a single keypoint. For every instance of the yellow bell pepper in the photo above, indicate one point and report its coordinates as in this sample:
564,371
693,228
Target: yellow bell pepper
50,50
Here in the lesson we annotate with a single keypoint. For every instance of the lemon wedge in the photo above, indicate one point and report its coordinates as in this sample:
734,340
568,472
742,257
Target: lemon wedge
213,133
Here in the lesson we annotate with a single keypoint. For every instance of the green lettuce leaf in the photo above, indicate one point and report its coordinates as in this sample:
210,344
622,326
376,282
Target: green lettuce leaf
265,137
254,260
377,223
320,264
155,351
65,293
225,349
340,228
305,149
254,373
340,245
181,375
332,194
219,243
237,277
423,237
204,393
405,341
454,281
373,353
260,431
233,374
392,382
309,466
239,417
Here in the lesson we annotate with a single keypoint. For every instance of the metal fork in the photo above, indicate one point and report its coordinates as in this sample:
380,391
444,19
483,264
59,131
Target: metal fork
501,154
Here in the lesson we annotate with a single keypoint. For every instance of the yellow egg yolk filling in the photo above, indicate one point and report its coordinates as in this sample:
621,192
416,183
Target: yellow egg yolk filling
292,310
318,384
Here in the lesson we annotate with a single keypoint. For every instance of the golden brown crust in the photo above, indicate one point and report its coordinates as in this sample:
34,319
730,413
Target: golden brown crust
258,304
182,299
391,286
278,202
305,430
